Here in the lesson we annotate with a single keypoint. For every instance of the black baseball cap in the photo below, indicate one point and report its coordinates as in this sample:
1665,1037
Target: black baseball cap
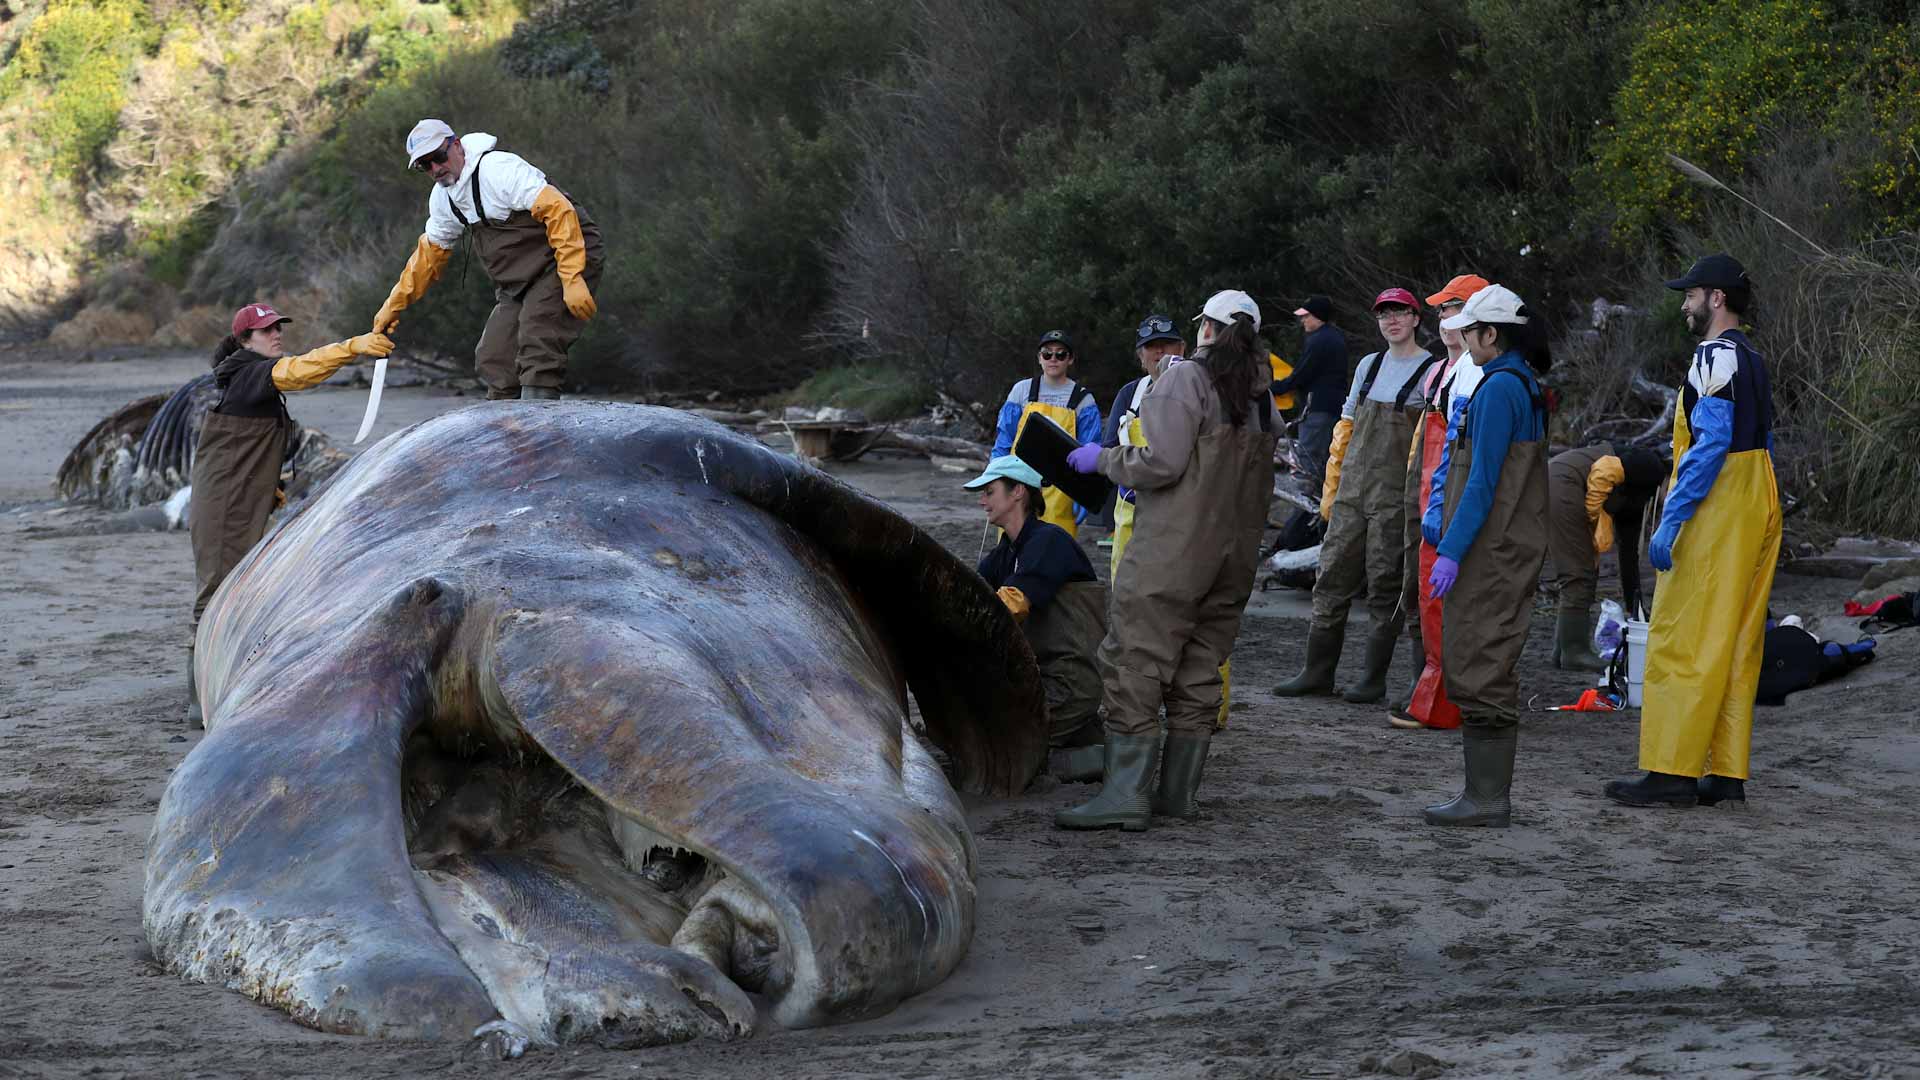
1155,328
1317,306
1056,337
1720,271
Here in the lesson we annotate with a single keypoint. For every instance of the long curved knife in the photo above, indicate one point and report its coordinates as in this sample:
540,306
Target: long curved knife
373,400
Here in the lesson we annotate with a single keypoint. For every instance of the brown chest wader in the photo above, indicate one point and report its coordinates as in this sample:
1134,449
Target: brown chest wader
528,333
236,468
1064,638
1365,546
1490,606
1486,615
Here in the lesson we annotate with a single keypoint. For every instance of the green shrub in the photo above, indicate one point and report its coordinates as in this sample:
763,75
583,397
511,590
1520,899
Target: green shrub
1707,83
77,56
882,391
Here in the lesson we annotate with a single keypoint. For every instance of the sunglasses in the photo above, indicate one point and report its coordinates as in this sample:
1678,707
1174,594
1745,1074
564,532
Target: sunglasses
1155,325
1452,307
438,157
1054,354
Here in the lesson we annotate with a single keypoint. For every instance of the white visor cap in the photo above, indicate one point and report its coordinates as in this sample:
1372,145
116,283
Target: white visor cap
426,137
1493,304
1225,304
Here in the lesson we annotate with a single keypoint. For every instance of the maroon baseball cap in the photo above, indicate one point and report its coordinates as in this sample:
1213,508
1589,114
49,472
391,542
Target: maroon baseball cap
1396,296
255,316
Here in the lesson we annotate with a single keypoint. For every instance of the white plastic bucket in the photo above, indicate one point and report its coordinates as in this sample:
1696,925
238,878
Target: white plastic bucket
1636,660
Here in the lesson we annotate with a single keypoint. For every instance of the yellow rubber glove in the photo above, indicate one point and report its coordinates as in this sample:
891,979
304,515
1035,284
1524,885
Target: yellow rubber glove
1336,458
310,369
1016,602
1601,480
569,249
422,270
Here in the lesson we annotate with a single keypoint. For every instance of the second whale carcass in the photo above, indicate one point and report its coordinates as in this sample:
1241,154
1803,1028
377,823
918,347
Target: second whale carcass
586,721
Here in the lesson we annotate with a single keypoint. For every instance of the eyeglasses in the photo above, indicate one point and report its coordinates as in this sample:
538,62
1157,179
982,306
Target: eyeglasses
1383,316
1054,354
1156,325
438,157
1474,329
1452,307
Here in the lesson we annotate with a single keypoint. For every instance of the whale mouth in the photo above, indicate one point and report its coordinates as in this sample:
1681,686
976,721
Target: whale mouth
583,923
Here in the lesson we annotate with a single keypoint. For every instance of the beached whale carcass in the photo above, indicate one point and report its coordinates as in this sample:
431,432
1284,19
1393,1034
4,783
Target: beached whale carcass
584,721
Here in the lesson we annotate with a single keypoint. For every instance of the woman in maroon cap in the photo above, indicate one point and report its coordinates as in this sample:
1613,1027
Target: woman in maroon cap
1366,516
236,463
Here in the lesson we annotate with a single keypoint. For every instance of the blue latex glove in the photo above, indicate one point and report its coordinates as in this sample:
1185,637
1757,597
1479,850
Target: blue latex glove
1430,526
1445,573
1126,493
1660,549
1084,459
1711,423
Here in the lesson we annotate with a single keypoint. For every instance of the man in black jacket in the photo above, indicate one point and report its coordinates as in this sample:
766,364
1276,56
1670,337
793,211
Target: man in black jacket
1321,375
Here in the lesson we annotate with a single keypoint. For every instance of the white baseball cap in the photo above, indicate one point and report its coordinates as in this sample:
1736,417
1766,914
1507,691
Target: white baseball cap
1225,304
1493,304
425,138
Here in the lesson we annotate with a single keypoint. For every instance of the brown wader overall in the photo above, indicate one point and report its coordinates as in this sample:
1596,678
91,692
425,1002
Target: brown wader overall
526,337
1569,533
236,467
1183,585
1366,542
1064,637
1487,614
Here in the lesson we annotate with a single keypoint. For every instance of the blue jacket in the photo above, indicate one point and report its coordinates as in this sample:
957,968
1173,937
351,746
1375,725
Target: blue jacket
1501,413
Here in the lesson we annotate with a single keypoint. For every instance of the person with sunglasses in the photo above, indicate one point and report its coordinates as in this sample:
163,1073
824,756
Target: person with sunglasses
1449,384
1202,479
1055,395
539,247
1364,508
1155,343
1490,532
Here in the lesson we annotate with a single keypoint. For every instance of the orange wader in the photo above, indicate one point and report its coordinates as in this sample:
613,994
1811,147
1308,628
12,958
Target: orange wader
1429,703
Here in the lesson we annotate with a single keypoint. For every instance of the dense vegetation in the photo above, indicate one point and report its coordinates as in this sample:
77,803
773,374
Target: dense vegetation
903,193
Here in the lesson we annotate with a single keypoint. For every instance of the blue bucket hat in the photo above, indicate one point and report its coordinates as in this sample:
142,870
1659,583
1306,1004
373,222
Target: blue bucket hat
1008,467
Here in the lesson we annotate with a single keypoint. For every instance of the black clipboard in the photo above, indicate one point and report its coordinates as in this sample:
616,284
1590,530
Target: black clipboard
1045,445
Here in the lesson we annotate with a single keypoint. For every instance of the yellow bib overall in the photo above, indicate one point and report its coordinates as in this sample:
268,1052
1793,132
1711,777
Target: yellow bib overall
1059,507
1709,621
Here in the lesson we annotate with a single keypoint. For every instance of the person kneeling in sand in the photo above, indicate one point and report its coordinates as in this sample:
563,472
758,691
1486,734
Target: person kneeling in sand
1048,583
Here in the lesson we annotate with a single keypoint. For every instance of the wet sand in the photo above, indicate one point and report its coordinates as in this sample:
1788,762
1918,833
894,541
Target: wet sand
1309,925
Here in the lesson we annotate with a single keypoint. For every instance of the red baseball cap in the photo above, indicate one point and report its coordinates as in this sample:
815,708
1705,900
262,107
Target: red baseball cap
1460,289
1396,296
255,316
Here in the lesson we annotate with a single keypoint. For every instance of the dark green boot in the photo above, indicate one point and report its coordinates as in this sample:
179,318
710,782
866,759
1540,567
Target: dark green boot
1323,655
1373,680
1123,800
1573,645
1077,764
539,393
1181,764
1484,801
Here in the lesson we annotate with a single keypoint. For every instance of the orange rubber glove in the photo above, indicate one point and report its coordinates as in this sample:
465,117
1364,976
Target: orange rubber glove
1605,475
1016,602
422,270
1336,459
569,249
310,369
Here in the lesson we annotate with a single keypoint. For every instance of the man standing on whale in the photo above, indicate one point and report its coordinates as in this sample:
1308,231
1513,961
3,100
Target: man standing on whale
539,248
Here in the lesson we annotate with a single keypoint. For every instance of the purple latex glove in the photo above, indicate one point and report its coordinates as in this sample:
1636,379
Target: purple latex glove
1084,459
1445,573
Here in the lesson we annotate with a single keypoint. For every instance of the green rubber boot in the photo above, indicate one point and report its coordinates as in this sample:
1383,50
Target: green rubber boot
1181,763
1123,800
1572,647
1373,680
539,393
1485,800
1078,764
1323,655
